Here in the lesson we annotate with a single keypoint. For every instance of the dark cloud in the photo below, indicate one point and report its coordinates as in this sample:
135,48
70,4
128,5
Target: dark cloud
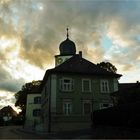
7,83
11,85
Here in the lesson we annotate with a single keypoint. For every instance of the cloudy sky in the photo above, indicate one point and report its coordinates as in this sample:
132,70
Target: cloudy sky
31,31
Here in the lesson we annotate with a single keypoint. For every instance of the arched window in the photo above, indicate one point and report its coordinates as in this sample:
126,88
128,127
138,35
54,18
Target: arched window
37,100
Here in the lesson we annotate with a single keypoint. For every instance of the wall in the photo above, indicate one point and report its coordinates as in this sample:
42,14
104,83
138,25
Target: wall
58,120
77,95
30,106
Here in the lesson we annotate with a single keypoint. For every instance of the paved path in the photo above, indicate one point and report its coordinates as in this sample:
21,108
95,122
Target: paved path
12,132
17,132
6,133
61,135
101,132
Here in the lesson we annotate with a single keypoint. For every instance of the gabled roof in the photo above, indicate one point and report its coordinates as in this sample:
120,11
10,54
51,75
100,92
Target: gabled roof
79,65
8,109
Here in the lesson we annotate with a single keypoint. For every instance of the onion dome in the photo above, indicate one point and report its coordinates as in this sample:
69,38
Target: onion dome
67,47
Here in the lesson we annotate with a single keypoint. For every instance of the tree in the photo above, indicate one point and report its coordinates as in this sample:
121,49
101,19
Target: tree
21,96
128,95
108,66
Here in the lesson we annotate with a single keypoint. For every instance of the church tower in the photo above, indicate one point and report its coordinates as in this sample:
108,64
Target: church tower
67,49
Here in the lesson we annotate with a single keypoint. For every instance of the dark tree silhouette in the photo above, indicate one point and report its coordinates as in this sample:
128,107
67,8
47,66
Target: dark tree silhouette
21,96
108,66
129,94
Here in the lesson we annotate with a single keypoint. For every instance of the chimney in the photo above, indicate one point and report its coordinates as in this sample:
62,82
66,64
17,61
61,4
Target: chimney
80,54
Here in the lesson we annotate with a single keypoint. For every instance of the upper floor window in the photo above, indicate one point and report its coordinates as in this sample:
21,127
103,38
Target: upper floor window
86,85
36,112
66,84
45,91
67,107
104,86
115,85
37,100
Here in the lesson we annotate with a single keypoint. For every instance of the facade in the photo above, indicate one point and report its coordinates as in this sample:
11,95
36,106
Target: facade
33,110
33,107
73,90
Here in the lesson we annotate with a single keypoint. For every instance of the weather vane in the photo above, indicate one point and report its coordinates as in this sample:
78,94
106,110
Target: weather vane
67,32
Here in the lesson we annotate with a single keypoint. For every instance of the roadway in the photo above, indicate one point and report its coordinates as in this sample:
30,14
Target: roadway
13,132
17,132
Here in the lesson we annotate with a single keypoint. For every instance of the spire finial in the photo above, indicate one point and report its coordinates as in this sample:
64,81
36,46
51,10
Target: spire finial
67,32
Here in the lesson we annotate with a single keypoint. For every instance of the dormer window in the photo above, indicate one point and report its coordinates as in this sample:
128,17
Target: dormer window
66,84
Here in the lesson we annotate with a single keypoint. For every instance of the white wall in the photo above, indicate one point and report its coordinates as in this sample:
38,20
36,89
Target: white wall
30,106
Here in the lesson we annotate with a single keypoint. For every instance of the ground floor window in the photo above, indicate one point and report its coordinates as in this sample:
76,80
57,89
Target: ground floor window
105,105
67,107
36,112
87,108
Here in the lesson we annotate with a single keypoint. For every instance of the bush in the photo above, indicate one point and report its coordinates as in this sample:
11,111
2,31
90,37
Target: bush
123,115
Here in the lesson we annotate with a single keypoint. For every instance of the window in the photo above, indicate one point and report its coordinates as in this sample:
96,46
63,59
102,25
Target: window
45,91
67,107
104,86
36,112
115,85
105,105
37,100
86,85
86,107
66,84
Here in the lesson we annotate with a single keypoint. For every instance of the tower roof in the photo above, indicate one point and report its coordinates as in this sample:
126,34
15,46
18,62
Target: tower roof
67,47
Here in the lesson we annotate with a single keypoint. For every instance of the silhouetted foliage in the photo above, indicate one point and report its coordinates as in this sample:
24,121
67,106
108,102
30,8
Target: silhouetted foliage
108,66
1,121
131,95
126,115
17,120
21,96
